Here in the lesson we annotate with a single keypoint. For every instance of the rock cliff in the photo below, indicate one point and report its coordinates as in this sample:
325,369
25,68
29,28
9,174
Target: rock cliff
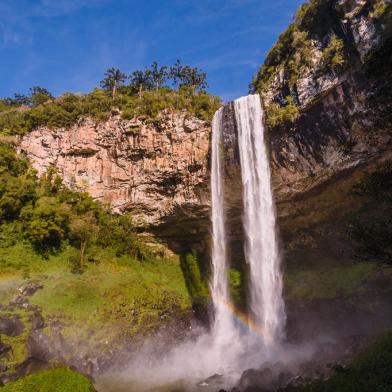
155,169
159,170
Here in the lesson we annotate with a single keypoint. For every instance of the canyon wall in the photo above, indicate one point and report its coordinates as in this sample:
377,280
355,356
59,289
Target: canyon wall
155,169
159,169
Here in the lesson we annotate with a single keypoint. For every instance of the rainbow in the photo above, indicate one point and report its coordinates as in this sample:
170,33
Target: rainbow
246,320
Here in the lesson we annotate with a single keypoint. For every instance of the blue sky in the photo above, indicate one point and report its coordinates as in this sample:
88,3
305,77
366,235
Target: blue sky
66,45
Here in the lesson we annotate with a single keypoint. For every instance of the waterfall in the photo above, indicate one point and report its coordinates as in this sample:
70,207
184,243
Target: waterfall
237,341
261,246
266,305
223,329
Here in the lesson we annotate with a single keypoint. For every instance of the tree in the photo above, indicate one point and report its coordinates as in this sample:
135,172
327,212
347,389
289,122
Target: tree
158,75
114,79
18,100
46,224
176,72
194,78
141,80
39,95
82,230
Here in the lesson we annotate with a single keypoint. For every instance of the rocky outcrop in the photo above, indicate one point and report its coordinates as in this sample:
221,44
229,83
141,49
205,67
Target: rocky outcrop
158,169
344,121
152,168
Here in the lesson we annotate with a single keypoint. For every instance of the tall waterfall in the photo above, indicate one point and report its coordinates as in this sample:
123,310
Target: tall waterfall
224,330
261,247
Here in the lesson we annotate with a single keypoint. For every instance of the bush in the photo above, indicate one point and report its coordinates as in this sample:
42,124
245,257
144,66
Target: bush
196,286
333,57
292,52
54,380
378,9
49,215
68,108
277,115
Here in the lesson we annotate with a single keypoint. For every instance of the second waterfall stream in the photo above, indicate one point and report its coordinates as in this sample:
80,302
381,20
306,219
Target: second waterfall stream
266,307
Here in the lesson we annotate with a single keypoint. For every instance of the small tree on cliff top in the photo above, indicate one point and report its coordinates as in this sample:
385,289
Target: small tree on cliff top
114,79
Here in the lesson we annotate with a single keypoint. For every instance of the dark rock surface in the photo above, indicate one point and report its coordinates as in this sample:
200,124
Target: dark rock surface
11,326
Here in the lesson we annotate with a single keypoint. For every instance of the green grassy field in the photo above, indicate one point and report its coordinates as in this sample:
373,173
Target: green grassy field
115,299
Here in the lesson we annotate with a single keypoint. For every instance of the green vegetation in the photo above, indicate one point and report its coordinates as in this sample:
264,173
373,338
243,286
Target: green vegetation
95,269
59,380
378,9
370,372
293,56
281,115
195,283
328,282
237,287
149,91
372,233
114,79
125,297
18,352
49,216
333,57
293,50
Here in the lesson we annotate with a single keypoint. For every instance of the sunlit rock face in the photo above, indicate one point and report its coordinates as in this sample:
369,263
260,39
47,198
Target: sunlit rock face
159,170
154,169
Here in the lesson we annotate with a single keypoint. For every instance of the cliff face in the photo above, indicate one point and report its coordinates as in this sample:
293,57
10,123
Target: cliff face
154,169
344,107
159,171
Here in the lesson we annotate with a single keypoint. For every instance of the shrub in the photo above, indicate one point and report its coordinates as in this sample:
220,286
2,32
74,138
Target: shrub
292,52
333,57
59,380
68,108
278,115
378,9
196,286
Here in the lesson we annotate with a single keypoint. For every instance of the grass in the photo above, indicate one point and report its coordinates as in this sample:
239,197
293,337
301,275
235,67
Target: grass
124,297
113,300
328,282
59,380
19,350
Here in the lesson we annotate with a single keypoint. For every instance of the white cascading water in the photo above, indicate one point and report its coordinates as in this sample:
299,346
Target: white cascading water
259,219
225,335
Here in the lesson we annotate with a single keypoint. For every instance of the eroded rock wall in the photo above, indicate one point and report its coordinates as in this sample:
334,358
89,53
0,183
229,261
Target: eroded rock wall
151,168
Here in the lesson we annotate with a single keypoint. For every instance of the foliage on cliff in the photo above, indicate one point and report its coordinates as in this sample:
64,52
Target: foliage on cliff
65,110
93,267
60,380
49,216
293,52
149,91
314,45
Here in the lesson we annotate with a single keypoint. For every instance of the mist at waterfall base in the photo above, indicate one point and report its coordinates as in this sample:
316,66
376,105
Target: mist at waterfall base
236,341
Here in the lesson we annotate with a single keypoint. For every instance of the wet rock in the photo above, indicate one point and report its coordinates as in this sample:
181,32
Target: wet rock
24,292
37,321
11,326
4,349
256,380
